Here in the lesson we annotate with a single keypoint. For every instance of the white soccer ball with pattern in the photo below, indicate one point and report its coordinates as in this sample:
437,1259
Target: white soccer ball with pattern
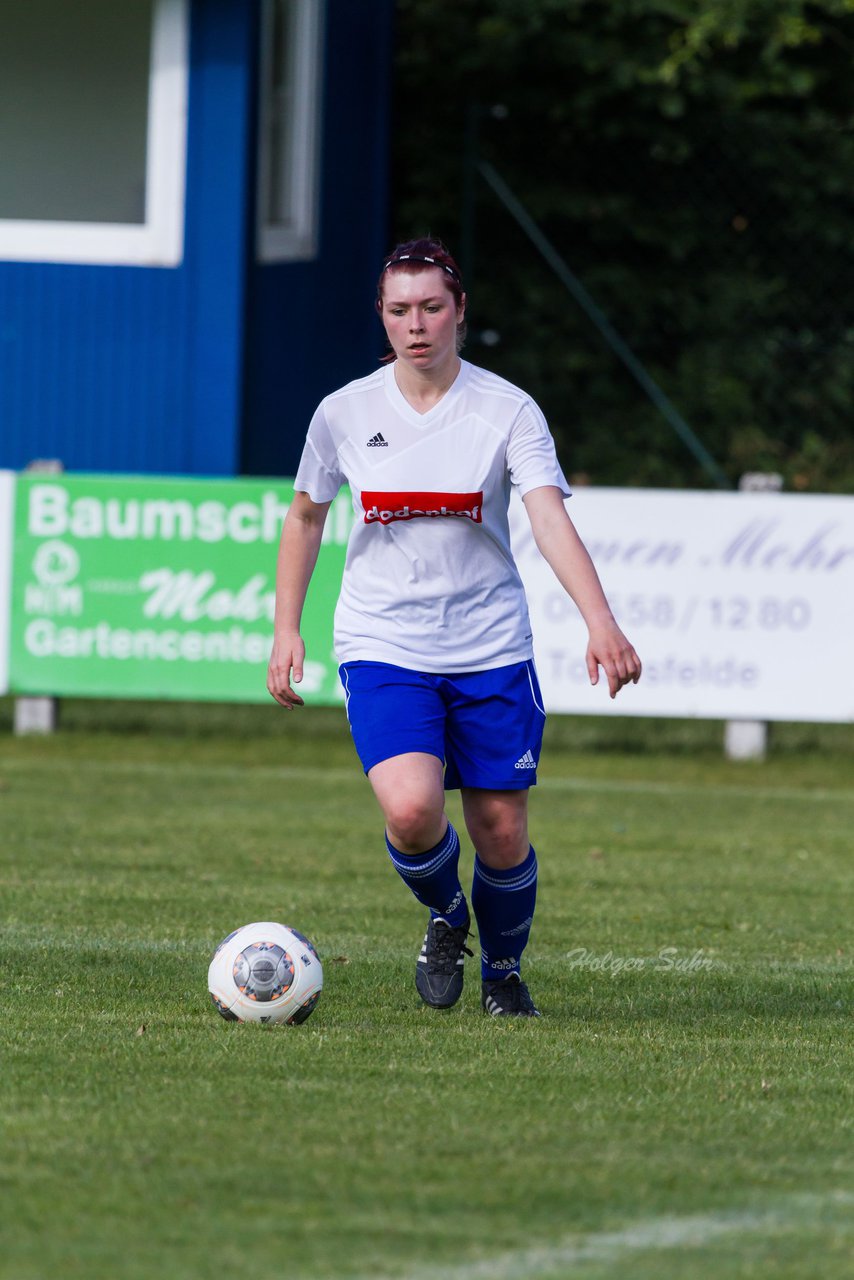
265,972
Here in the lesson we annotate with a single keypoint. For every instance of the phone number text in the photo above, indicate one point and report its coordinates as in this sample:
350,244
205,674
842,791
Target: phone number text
674,613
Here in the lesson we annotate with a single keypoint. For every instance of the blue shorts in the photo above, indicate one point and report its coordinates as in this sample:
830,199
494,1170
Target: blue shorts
485,726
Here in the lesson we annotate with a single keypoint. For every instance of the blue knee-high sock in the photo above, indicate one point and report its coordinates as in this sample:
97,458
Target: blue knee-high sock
433,877
503,903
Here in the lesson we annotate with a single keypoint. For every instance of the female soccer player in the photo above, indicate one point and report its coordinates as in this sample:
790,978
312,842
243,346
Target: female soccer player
431,626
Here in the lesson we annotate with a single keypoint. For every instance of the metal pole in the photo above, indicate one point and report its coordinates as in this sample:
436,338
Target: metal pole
609,333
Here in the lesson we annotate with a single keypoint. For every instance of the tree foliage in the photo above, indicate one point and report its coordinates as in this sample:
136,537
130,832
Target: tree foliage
692,163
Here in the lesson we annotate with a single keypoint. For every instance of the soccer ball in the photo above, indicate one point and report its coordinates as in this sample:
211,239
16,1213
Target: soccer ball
265,972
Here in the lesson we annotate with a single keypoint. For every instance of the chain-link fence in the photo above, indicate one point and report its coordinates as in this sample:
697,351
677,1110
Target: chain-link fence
724,259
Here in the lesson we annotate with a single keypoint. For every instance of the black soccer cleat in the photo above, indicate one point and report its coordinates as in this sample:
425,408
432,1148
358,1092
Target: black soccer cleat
508,997
439,971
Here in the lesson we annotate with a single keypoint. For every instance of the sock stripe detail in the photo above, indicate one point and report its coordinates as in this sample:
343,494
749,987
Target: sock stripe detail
502,883
414,869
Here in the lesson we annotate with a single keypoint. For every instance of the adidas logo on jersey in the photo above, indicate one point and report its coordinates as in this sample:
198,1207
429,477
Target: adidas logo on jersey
377,442
527,761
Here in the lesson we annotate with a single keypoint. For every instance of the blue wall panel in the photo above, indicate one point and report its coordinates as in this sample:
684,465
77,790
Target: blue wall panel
213,366
136,368
87,367
311,325
220,179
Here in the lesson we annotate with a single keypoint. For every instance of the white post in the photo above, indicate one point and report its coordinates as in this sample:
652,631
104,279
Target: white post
745,739
38,714
748,739
35,715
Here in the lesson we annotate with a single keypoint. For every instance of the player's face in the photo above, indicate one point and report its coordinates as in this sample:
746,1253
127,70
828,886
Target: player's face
420,315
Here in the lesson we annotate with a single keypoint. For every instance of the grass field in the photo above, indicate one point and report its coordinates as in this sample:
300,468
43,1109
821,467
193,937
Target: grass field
683,1108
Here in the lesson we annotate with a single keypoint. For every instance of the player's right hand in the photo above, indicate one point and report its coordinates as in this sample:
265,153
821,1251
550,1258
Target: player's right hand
286,664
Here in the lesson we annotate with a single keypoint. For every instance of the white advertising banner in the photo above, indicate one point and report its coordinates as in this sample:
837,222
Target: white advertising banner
741,605
7,497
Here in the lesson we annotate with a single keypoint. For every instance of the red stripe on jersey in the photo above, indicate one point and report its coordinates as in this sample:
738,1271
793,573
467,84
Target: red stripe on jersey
384,508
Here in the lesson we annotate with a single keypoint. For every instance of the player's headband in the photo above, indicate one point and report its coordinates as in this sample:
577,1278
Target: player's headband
417,257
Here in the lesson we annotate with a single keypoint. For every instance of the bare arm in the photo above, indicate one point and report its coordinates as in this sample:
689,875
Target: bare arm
300,543
560,545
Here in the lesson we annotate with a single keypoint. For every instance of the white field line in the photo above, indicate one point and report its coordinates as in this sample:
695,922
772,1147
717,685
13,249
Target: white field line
696,1231
608,786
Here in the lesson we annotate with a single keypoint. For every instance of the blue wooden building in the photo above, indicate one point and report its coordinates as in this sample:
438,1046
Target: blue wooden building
192,211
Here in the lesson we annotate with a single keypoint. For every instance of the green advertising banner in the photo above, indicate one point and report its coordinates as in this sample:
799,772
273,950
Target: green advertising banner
144,587
7,498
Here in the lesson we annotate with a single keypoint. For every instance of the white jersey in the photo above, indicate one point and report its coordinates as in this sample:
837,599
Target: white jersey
429,580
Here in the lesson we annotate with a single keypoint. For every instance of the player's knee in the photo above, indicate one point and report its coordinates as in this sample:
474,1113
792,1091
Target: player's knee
503,852
413,824
501,838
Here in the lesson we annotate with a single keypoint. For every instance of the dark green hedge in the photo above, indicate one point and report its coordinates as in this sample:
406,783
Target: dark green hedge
693,165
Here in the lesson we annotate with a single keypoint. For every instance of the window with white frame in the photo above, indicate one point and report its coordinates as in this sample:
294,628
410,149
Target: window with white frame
289,129
93,107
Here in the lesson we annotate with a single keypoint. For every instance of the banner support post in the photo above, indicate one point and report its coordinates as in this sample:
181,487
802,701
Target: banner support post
38,714
748,739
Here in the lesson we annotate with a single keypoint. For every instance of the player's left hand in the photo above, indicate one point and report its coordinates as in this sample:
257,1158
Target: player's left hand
609,649
286,663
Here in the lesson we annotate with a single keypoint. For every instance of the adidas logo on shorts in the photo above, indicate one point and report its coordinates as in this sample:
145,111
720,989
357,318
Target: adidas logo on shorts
377,442
527,761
